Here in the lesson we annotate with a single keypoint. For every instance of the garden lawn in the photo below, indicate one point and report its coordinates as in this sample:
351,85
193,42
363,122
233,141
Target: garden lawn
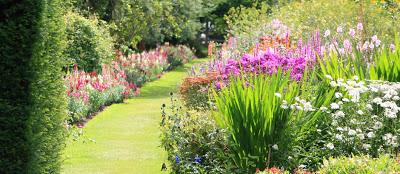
126,136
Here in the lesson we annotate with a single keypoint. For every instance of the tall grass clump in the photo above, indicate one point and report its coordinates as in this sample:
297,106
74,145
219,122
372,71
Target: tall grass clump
387,63
255,111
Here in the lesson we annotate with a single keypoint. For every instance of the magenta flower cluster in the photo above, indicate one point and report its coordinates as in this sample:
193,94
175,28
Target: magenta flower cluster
265,63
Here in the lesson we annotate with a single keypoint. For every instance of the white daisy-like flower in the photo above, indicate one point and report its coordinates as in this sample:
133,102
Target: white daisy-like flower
340,129
329,77
330,146
360,112
339,114
377,100
323,108
370,135
366,146
333,84
327,33
369,107
334,106
279,95
378,125
339,137
352,132
275,147
361,136
338,95
302,166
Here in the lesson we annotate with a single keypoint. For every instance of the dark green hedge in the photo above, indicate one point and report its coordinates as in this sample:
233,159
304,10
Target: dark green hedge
32,102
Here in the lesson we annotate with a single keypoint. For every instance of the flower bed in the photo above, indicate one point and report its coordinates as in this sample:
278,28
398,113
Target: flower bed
89,92
294,106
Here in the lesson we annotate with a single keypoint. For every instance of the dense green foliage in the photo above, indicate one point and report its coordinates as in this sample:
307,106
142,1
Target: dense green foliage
250,109
32,101
362,164
305,17
146,23
89,42
178,55
203,150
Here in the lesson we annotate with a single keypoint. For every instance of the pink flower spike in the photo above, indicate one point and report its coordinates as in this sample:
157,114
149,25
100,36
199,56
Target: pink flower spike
360,26
339,29
347,45
374,38
352,32
392,47
371,46
378,43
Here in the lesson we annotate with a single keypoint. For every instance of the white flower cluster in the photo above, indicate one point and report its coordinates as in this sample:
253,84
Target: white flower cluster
388,98
363,115
300,104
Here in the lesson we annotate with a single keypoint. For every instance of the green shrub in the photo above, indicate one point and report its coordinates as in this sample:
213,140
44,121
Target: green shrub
97,99
178,55
77,109
193,142
89,42
360,164
32,101
195,92
115,95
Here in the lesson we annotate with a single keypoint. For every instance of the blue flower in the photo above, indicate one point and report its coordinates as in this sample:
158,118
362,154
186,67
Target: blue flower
177,159
197,159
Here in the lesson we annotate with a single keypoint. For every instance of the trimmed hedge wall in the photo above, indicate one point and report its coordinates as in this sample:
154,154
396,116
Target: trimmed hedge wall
32,100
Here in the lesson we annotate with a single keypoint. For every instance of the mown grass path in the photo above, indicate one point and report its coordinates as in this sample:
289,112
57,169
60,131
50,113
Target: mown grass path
126,136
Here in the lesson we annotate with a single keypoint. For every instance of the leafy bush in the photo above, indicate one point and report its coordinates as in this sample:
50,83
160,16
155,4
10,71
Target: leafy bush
97,99
143,67
32,104
360,164
195,91
192,140
77,109
89,42
178,55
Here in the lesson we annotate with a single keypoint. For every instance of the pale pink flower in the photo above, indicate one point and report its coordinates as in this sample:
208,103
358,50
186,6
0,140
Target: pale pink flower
360,26
352,32
339,29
